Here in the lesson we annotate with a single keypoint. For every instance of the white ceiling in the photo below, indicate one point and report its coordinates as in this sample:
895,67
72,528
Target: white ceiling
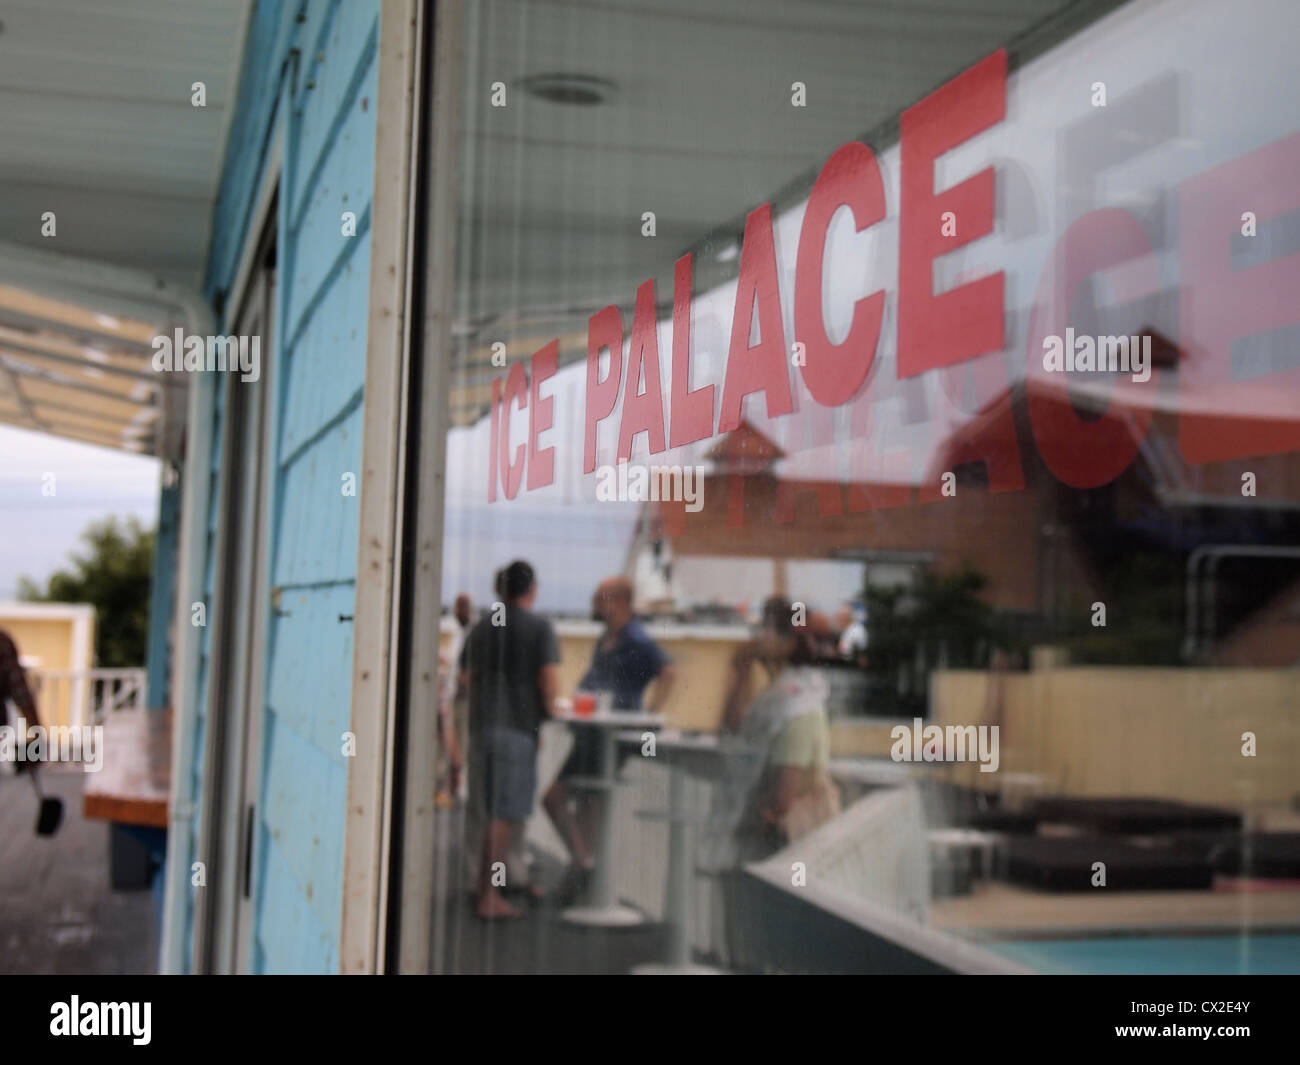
698,128
97,125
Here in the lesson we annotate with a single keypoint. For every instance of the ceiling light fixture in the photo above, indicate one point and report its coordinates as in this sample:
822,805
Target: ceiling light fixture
578,90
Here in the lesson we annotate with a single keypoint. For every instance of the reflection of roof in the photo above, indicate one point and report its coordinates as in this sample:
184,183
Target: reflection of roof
752,508
744,450
1162,400
990,426
70,372
751,513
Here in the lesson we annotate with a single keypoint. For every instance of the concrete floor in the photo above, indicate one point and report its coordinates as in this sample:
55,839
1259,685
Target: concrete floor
57,912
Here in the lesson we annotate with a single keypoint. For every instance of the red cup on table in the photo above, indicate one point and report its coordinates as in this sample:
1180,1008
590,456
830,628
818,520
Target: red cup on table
584,704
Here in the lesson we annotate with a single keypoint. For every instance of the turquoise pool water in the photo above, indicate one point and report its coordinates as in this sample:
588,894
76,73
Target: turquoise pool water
1157,955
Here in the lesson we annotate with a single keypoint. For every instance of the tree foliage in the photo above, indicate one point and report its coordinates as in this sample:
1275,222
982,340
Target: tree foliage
113,573
939,622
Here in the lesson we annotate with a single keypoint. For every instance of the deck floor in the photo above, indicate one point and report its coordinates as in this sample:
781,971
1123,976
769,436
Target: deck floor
539,942
57,912
1002,909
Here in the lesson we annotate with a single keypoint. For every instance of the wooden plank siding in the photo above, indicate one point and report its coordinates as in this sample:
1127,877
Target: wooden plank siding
313,67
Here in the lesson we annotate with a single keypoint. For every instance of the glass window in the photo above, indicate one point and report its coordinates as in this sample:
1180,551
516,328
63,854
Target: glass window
872,489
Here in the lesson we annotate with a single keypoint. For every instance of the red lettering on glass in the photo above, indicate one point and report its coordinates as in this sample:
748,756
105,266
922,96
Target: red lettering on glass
492,439
604,330
1087,454
766,366
691,412
512,471
965,321
1219,305
834,372
643,412
541,416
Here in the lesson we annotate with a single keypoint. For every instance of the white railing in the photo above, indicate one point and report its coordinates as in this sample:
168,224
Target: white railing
78,697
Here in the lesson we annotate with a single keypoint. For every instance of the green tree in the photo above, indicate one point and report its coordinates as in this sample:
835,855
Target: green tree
113,574
938,622
1145,614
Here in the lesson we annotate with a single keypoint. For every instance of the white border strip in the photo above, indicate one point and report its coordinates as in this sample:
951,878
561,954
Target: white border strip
377,610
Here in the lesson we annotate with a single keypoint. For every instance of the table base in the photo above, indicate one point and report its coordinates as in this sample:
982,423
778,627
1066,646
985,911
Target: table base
603,916
685,968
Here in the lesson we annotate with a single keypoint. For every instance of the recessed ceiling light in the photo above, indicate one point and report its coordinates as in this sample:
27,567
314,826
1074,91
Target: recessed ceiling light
580,90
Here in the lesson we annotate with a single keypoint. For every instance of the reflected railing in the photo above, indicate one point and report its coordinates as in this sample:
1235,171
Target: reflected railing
77,697
867,872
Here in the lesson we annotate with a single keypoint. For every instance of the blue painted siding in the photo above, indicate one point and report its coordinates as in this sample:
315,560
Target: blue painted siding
161,595
312,66
202,671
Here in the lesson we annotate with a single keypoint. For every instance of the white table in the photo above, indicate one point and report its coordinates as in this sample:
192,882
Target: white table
698,755
603,910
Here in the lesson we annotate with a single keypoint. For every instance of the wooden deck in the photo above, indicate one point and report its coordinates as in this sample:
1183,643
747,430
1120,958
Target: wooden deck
58,913
1003,910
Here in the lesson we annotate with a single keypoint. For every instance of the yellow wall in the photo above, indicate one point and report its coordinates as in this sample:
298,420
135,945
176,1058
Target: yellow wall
701,665
1167,733
51,640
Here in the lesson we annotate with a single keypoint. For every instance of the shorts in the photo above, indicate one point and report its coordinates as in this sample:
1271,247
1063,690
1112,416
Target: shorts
510,773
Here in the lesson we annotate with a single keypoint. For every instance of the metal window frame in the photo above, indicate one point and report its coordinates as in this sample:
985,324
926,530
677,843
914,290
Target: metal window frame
410,927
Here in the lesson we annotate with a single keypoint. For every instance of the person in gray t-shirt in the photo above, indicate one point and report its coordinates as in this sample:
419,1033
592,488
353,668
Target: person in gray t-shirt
509,665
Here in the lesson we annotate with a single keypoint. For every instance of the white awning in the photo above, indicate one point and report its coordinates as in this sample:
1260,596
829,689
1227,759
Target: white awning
108,176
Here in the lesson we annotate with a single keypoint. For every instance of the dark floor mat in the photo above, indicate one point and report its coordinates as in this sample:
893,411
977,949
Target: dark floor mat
966,808
1065,863
1137,817
1008,821
1266,856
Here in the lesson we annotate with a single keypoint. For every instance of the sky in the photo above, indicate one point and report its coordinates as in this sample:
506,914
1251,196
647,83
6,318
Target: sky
37,531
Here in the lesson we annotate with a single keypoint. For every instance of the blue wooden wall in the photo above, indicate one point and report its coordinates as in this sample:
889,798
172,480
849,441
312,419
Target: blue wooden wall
313,67
162,591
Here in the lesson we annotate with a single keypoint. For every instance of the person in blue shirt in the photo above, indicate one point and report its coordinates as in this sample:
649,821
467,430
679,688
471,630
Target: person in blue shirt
625,662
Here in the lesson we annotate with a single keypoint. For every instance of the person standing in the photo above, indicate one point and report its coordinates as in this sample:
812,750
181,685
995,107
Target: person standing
624,662
510,668
453,710
13,686
776,787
